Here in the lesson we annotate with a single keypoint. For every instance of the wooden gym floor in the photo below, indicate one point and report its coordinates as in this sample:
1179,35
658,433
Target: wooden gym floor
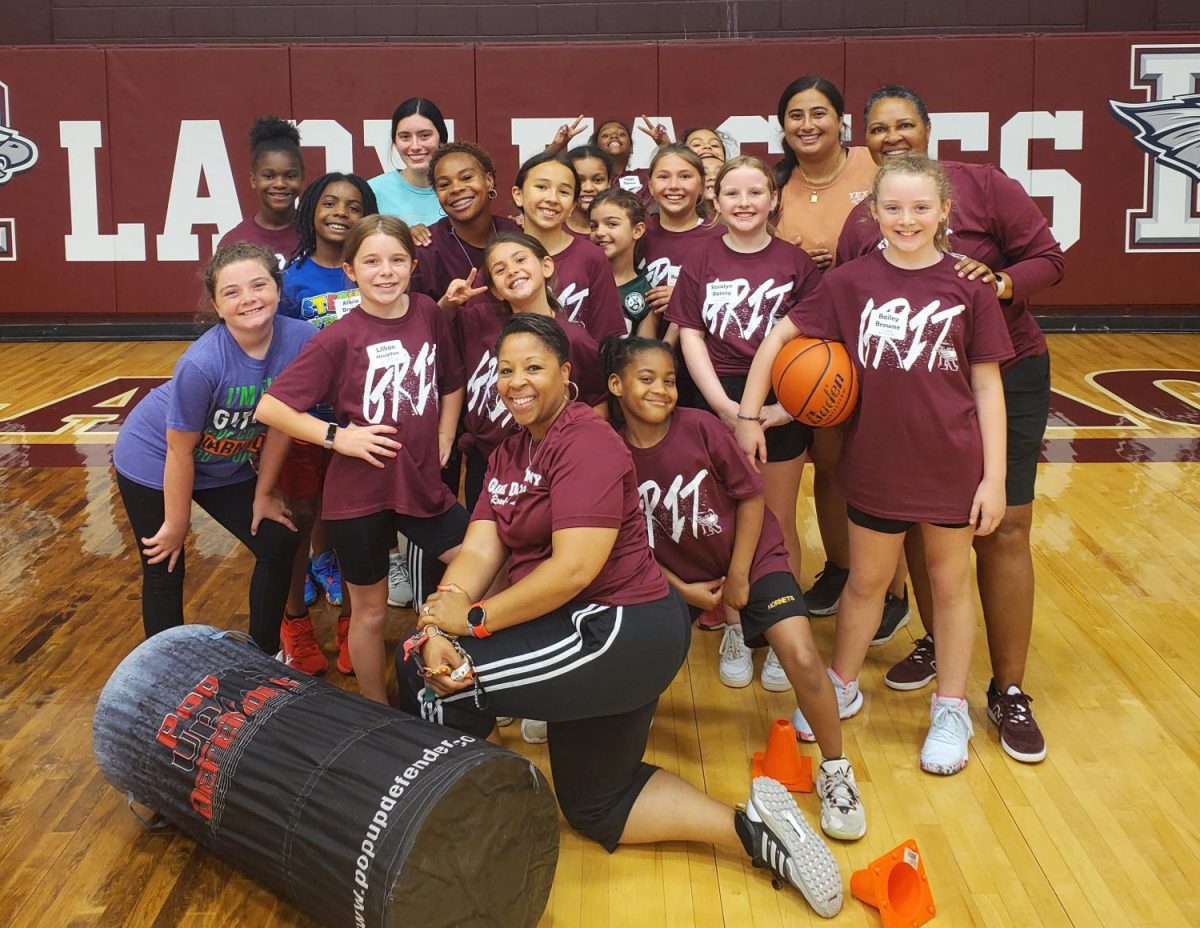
1098,834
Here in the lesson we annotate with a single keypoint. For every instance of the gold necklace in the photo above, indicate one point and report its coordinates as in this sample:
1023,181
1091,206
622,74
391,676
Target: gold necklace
815,188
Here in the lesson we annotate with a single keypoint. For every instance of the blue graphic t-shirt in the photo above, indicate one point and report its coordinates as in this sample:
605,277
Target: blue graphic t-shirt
214,391
316,294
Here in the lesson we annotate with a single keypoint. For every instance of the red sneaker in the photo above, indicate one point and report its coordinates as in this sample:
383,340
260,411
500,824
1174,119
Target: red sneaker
298,646
344,664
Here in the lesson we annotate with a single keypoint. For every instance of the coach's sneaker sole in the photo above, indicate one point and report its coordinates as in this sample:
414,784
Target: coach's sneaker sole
777,837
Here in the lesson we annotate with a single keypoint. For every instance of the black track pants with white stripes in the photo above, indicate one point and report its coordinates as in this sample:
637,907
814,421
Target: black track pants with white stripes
594,673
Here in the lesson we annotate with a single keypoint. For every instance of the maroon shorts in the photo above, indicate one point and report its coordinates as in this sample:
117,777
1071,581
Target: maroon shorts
303,471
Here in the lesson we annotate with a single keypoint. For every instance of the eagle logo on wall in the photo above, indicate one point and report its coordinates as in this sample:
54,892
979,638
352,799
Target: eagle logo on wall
17,153
1167,130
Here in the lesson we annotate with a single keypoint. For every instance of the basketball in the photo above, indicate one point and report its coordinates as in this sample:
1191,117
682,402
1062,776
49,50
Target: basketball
815,381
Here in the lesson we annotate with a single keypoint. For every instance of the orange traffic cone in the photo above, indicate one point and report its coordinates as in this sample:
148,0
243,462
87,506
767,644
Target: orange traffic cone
896,884
783,760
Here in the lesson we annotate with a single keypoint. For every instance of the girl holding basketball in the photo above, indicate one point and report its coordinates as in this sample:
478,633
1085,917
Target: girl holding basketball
716,542
927,443
390,367
546,191
729,295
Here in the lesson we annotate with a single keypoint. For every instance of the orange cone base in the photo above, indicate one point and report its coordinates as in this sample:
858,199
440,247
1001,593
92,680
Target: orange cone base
897,886
783,760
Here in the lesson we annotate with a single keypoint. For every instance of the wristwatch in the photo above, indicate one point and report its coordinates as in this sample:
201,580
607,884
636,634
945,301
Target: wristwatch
476,619
330,435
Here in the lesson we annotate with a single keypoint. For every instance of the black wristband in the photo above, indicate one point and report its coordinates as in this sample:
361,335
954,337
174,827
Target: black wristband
747,418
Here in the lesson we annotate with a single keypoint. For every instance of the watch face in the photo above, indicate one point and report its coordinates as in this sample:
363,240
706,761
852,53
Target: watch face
475,616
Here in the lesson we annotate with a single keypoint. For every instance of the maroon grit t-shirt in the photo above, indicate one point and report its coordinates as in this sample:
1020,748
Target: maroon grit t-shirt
993,220
690,484
381,372
448,258
664,252
281,241
584,285
486,421
912,450
736,298
578,476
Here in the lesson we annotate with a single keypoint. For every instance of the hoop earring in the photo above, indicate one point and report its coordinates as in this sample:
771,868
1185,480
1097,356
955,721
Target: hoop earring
572,399
492,194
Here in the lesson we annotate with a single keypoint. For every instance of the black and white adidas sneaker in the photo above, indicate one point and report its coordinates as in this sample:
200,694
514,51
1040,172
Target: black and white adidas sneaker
777,837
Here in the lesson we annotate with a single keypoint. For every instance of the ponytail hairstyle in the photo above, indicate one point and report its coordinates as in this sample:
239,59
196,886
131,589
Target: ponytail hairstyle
545,330
917,165
784,169
616,354
679,150
579,152
631,205
748,161
418,106
270,133
546,157
306,230
391,226
525,241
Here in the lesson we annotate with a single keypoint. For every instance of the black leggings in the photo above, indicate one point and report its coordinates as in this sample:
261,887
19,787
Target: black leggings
273,548
594,673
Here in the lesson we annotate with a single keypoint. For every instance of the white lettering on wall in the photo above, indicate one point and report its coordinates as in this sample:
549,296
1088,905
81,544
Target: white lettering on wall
201,160
85,242
1065,129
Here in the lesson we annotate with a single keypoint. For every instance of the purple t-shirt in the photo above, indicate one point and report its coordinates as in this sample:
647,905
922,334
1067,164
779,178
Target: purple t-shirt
690,484
381,372
448,258
486,421
584,285
214,391
664,252
993,220
736,298
912,450
578,476
281,241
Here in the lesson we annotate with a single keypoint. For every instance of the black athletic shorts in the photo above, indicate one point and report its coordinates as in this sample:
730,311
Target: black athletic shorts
1027,404
891,526
784,442
773,598
362,543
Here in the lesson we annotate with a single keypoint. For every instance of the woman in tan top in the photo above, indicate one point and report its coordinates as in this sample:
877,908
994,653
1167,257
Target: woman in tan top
821,179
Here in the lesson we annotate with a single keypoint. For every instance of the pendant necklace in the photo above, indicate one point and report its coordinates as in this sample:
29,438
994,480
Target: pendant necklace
815,188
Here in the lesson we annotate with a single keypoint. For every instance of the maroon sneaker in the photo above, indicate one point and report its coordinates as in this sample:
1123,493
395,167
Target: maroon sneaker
916,670
1019,733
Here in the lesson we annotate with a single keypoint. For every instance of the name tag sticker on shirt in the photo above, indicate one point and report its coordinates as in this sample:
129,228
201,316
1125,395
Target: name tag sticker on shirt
630,182
386,354
720,291
345,301
888,321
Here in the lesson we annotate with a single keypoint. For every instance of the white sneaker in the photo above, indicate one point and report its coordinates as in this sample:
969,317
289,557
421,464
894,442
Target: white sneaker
850,700
399,588
842,814
504,720
737,667
950,729
533,731
773,677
